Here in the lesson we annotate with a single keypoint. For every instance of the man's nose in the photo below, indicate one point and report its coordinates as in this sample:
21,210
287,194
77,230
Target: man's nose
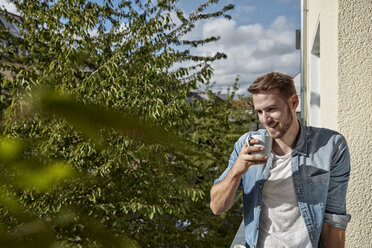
266,118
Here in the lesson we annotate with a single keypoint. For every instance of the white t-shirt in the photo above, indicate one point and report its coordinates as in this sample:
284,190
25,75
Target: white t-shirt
281,223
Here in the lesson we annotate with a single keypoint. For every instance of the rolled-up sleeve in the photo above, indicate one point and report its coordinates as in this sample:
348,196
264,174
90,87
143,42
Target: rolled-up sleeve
233,157
337,220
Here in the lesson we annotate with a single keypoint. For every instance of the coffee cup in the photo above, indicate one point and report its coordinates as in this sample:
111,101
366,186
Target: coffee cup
265,141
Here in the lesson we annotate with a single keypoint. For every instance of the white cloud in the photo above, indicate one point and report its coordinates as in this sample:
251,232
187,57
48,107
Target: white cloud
10,7
252,50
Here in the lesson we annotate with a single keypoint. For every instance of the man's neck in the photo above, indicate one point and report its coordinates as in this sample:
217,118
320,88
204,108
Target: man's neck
287,143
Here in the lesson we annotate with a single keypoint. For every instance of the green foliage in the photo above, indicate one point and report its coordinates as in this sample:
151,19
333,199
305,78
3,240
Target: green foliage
100,146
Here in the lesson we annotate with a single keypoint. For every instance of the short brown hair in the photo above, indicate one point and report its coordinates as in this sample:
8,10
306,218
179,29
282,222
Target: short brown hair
274,80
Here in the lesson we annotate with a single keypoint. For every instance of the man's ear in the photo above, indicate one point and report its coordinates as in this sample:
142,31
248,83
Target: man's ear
294,101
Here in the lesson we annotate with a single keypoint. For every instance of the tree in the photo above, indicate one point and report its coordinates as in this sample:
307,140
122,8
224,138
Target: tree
98,104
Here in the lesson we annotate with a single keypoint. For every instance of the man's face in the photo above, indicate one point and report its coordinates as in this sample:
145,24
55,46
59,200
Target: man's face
274,112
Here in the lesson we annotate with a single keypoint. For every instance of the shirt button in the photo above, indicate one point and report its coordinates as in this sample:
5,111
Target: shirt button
261,186
255,227
253,246
269,167
305,213
258,206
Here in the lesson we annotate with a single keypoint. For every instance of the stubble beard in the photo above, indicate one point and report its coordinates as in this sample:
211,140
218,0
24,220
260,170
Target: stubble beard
282,130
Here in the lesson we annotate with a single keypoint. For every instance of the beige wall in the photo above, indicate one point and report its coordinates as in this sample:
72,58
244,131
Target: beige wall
355,112
346,96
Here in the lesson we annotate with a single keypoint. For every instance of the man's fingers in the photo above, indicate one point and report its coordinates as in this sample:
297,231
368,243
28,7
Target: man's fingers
252,149
249,149
254,141
254,158
258,157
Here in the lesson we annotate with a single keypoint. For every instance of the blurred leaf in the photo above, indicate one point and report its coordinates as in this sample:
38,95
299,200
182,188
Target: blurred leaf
10,149
42,178
91,119
10,203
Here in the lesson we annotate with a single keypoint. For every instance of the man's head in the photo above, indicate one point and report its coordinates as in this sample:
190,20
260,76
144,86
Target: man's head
275,100
274,80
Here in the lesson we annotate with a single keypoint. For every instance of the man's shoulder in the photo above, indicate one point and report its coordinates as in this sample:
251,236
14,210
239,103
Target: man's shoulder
321,130
321,133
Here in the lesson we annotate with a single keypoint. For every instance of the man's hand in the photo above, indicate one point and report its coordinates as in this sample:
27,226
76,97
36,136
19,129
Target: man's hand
223,193
246,158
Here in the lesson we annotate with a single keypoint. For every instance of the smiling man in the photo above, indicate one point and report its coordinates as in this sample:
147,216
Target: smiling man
296,196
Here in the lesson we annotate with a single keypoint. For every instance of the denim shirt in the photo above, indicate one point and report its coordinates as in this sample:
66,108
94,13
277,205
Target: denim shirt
320,169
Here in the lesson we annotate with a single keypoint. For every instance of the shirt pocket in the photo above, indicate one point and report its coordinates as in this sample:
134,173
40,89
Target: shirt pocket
318,188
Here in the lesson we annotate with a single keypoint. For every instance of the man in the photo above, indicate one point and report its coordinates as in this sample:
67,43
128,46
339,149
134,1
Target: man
296,196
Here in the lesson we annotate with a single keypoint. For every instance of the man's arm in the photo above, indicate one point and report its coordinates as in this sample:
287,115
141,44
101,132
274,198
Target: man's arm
332,237
223,193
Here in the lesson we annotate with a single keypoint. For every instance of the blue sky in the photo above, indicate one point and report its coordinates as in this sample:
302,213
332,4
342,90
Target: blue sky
258,39
254,11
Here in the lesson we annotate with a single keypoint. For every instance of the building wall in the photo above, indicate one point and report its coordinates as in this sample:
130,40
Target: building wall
346,96
354,112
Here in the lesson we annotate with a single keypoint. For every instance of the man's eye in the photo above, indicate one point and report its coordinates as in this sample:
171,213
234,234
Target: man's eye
271,109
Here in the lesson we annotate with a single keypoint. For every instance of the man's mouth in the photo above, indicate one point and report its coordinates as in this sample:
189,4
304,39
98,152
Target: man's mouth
274,126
